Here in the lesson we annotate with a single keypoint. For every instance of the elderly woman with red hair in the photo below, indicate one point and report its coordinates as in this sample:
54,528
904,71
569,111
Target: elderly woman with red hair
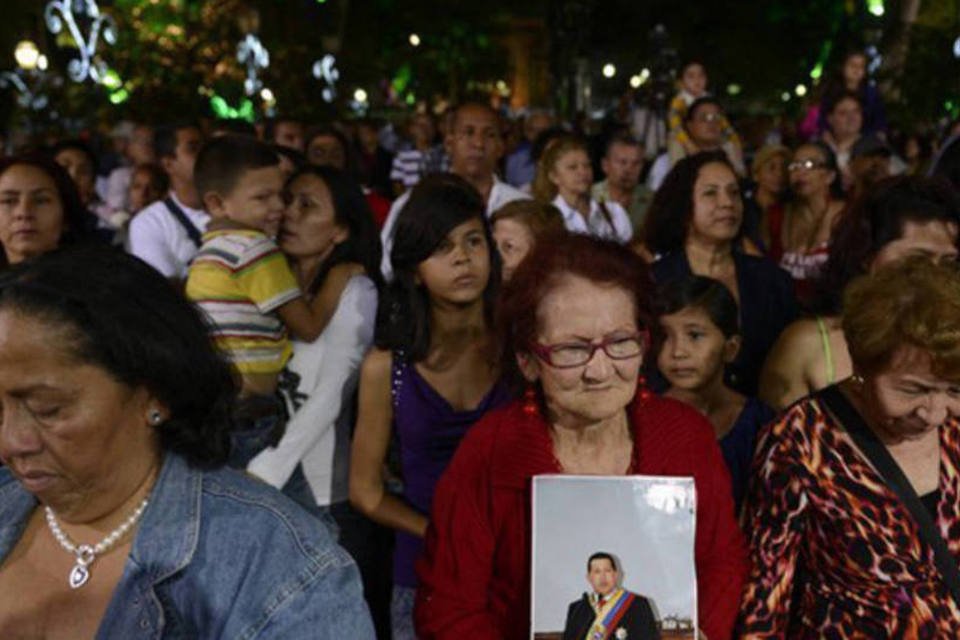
574,323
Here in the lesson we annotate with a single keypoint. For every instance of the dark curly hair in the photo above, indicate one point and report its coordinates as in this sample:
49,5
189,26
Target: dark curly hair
668,219
129,320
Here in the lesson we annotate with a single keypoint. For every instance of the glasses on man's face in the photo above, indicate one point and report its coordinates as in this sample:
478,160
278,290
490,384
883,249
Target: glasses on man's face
806,165
710,116
576,354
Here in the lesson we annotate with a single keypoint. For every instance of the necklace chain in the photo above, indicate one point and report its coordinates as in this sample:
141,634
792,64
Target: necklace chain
86,554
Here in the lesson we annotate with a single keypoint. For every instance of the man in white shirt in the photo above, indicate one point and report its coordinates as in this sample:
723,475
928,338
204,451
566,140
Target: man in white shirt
166,234
475,146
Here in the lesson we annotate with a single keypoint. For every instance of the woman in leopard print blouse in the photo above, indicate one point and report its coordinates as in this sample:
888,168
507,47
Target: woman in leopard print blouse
835,552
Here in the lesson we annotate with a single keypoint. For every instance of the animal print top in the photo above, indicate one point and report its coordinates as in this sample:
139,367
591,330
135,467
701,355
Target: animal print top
835,553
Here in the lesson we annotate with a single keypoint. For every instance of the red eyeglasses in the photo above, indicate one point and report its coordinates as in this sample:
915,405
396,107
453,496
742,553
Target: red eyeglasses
567,355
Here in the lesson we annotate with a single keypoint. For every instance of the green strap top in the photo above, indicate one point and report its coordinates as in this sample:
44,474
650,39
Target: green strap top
827,353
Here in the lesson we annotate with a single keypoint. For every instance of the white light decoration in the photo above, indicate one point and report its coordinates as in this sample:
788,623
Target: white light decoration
60,14
636,81
956,48
325,70
27,87
42,62
800,90
414,40
734,89
785,96
27,55
360,95
609,70
266,95
254,55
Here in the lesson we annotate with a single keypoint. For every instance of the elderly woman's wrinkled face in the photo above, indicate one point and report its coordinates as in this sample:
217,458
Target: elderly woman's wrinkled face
74,437
577,311
31,213
310,226
908,398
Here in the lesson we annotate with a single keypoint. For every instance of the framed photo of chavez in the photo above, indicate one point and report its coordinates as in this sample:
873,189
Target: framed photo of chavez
613,558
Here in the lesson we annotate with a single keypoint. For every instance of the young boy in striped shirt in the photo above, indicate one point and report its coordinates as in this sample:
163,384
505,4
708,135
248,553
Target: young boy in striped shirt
243,283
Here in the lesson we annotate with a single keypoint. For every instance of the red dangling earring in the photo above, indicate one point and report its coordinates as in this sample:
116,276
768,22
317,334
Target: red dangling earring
643,394
530,407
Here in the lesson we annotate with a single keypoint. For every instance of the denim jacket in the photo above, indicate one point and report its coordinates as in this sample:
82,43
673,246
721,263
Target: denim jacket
220,555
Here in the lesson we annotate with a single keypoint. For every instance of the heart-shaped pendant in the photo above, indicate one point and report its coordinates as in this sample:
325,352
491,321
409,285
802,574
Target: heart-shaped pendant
79,576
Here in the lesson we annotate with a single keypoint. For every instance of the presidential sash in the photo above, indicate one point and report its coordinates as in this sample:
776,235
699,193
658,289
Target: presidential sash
610,615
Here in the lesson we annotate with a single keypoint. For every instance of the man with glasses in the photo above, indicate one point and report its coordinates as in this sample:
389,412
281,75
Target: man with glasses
703,123
475,145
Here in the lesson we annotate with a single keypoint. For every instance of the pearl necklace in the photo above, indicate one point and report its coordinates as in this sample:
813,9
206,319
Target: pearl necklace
85,553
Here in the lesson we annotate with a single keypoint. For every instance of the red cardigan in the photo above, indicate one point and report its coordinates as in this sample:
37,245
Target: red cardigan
475,571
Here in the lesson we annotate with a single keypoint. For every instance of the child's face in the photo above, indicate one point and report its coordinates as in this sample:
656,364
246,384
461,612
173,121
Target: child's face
514,241
459,269
256,201
694,80
694,349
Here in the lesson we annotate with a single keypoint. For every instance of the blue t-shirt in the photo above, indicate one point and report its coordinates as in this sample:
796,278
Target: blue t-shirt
739,444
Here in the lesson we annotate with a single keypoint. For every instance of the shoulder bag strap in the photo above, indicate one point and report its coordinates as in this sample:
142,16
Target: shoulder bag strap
877,453
191,229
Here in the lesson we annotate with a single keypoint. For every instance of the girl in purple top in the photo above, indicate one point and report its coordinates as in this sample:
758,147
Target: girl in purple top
434,371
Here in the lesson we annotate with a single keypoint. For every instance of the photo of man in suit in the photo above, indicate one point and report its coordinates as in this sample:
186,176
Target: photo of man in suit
608,611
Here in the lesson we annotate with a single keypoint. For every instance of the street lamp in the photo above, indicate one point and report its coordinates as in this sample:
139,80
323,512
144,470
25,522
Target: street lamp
27,55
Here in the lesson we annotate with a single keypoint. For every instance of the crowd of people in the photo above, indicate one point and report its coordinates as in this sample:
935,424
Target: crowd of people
293,381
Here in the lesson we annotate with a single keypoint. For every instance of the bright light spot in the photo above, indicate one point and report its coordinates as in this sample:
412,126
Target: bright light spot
267,95
27,54
800,90
733,89
111,80
635,81
414,40
644,74
956,48
875,7
42,62
817,72
118,97
609,70
360,95
785,96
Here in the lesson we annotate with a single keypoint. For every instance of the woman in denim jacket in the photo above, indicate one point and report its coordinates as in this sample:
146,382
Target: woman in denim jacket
117,519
